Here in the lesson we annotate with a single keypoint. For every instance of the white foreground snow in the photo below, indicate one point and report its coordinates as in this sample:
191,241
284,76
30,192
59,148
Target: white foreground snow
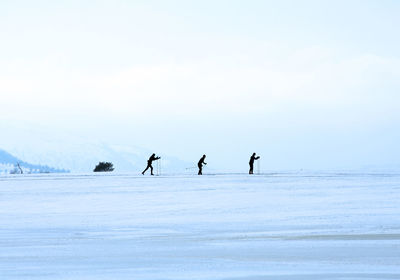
274,226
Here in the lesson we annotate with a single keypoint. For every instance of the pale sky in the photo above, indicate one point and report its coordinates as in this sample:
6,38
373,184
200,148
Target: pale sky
306,84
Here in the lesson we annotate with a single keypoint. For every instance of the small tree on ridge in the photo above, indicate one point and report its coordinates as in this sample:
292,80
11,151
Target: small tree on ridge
104,167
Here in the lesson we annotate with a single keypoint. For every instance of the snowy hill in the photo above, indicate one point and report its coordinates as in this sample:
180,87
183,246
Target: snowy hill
83,156
64,150
42,146
8,164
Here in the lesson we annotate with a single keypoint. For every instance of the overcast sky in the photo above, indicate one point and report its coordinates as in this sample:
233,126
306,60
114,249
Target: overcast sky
306,84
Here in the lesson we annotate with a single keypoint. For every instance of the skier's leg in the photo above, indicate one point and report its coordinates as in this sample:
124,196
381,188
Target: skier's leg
251,169
145,170
151,168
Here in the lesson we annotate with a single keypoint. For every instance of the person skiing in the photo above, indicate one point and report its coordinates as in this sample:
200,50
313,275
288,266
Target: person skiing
149,162
251,162
200,165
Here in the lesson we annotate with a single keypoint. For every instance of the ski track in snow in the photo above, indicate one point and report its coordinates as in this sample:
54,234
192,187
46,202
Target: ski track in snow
232,226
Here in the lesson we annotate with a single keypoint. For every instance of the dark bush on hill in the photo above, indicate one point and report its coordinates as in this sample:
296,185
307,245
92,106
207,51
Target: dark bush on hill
104,167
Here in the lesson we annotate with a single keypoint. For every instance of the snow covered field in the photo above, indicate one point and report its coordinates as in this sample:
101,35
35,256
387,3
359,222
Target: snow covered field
273,226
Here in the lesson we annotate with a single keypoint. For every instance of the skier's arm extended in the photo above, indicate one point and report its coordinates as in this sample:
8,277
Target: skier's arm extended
257,157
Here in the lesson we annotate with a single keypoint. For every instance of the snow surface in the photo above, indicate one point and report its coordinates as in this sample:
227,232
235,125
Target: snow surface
232,226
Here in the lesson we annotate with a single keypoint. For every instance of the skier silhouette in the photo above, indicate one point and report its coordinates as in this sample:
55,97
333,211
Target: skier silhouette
149,162
251,162
200,165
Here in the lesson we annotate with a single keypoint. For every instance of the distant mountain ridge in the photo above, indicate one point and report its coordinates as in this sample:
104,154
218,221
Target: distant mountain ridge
83,157
9,164
61,150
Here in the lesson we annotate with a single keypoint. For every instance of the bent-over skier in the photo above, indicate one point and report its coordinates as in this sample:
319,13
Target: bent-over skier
200,165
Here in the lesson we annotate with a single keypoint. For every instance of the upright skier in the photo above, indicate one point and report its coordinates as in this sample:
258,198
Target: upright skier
251,162
200,165
149,162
